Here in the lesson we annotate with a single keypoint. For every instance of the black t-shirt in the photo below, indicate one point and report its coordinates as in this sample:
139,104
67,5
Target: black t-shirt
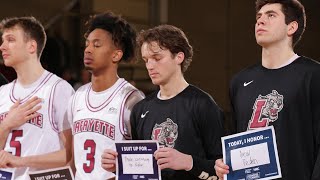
3,80
190,122
287,98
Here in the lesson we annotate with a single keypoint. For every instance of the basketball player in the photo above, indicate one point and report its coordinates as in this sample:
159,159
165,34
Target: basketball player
185,120
281,91
100,110
44,141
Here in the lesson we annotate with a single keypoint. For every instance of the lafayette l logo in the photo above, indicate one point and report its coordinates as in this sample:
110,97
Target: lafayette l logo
266,109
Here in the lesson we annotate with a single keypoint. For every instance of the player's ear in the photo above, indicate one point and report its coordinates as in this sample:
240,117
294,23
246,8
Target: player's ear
179,57
117,56
292,28
32,46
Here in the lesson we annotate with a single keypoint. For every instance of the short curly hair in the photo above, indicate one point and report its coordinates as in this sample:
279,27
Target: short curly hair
123,34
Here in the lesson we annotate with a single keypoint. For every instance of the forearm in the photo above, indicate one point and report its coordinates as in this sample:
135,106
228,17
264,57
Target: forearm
46,161
4,132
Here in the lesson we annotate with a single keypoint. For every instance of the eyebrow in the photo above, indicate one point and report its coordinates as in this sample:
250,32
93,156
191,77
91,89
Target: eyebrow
95,39
7,35
267,12
154,55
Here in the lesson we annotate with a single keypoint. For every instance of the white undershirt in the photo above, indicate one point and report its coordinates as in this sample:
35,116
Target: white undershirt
294,57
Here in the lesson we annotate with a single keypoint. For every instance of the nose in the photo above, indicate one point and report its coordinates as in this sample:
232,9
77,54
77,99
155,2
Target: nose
88,49
2,47
150,65
261,20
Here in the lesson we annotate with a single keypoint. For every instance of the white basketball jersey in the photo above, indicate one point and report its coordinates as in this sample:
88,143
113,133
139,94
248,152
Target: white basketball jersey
95,128
40,134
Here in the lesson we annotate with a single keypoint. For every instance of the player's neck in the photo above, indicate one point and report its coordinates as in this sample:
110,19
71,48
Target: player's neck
103,82
29,71
173,87
275,56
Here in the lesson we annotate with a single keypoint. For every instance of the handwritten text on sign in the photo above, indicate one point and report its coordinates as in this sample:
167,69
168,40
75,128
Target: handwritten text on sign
137,163
250,156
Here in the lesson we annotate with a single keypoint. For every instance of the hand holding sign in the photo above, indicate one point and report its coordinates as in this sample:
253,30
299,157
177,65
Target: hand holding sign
7,160
108,160
173,159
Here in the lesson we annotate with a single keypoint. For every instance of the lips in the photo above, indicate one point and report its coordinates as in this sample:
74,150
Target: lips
5,56
152,75
260,30
87,60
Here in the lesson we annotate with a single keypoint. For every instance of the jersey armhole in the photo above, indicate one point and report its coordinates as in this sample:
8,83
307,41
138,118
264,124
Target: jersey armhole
51,106
121,115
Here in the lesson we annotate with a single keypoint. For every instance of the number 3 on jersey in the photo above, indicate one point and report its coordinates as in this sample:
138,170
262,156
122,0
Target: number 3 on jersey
89,166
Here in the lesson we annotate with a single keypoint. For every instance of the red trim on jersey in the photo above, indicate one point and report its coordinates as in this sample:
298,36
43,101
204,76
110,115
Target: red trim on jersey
121,115
43,82
106,102
51,108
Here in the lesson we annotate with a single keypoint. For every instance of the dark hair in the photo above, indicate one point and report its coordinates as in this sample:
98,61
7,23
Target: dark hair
123,34
32,28
293,11
171,38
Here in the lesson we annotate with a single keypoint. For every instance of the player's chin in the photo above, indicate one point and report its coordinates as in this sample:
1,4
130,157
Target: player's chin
156,81
88,68
262,42
7,63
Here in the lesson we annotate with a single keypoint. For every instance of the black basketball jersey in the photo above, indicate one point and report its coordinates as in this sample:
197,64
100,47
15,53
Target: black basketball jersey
190,122
287,98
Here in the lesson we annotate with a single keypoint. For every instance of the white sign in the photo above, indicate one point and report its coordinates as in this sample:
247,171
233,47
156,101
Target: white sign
137,163
250,156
